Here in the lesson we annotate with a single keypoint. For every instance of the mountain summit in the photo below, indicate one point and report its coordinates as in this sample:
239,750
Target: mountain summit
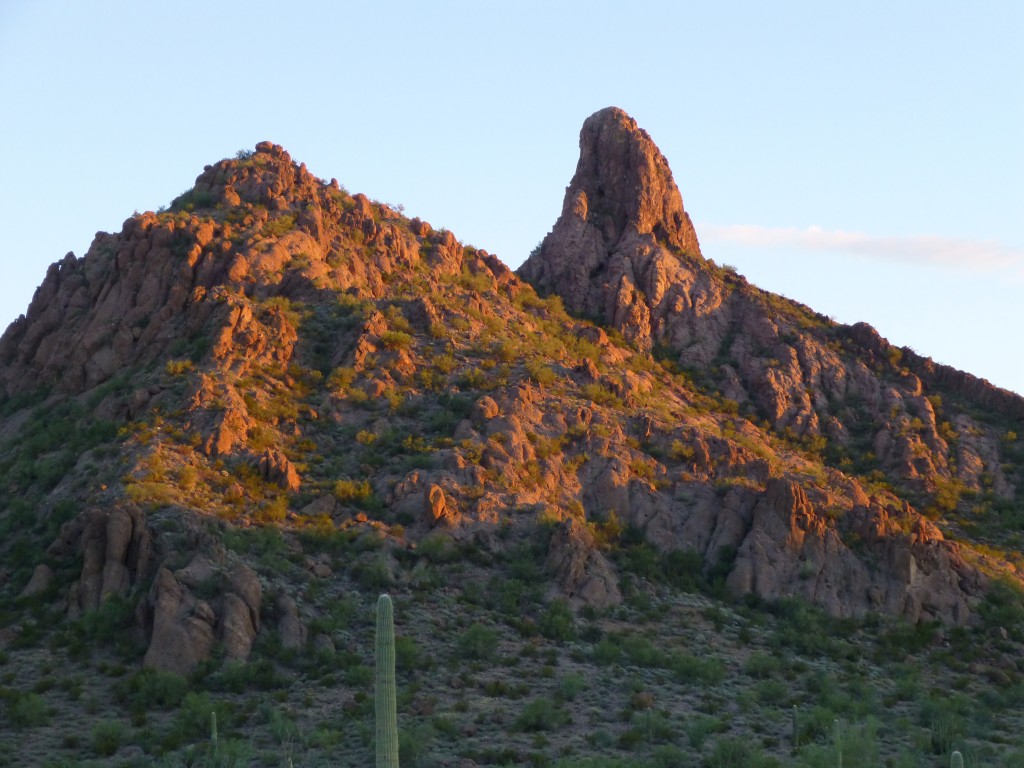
622,227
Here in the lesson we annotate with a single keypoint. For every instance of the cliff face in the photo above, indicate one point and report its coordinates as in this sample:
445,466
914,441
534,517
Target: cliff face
274,351
616,249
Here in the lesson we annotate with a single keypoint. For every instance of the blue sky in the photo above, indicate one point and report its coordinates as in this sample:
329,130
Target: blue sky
863,158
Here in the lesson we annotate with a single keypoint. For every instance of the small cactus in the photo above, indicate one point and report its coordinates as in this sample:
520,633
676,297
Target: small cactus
796,730
386,698
213,730
956,760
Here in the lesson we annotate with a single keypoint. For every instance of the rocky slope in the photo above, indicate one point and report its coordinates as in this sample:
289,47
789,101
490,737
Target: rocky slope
273,353
632,261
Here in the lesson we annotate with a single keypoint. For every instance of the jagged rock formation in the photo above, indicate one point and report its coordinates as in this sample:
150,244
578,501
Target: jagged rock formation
274,351
614,252
624,251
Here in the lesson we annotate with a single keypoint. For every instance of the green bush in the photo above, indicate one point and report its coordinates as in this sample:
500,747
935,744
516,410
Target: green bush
107,737
478,642
570,685
352,491
151,688
396,340
279,226
541,715
28,710
409,657
557,622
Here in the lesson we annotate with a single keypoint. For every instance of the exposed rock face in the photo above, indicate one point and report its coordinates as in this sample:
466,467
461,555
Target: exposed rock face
42,578
292,631
115,546
579,568
789,549
183,627
616,247
275,467
624,250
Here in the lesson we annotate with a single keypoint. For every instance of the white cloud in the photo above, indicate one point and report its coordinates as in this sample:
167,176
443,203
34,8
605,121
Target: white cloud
975,255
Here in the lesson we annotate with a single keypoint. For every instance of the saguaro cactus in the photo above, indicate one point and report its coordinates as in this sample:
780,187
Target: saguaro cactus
386,699
956,760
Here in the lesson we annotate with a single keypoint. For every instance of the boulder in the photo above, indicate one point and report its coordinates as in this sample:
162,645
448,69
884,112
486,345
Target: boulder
42,578
183,627
579,568
290,629
275,467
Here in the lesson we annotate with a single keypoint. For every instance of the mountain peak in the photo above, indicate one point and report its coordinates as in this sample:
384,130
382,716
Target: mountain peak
623,182
623,231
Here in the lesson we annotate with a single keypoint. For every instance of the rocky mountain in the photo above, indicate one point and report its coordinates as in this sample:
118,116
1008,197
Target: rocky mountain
227,422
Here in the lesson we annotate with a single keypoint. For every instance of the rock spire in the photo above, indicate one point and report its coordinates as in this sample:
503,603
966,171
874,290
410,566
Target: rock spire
623,229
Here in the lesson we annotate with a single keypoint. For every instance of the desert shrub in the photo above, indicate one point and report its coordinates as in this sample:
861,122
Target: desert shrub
1003,607
191,199
558,622
541,715
352,491
601,395
409,656
413,744
762,666
27,710
192,720
107,737
946,717
646,727
396,340
679,451
540,372
738,753
279,226
698,728
697,670
607,651
151,688
478,642
374,573
238,676
107,623
437,548
178,367
570,685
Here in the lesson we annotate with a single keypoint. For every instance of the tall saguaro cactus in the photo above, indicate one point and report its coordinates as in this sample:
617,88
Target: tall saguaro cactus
386,699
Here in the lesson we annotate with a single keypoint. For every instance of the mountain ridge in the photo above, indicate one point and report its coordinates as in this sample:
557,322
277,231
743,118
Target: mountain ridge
273,353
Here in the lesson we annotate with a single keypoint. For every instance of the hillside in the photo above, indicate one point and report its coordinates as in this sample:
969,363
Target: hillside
628,504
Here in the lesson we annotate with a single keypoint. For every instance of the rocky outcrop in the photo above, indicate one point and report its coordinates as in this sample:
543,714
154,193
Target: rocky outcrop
183,627
579,568
623,236
276,468
42,578
865,563
189,281
624,251
290,627
116,548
